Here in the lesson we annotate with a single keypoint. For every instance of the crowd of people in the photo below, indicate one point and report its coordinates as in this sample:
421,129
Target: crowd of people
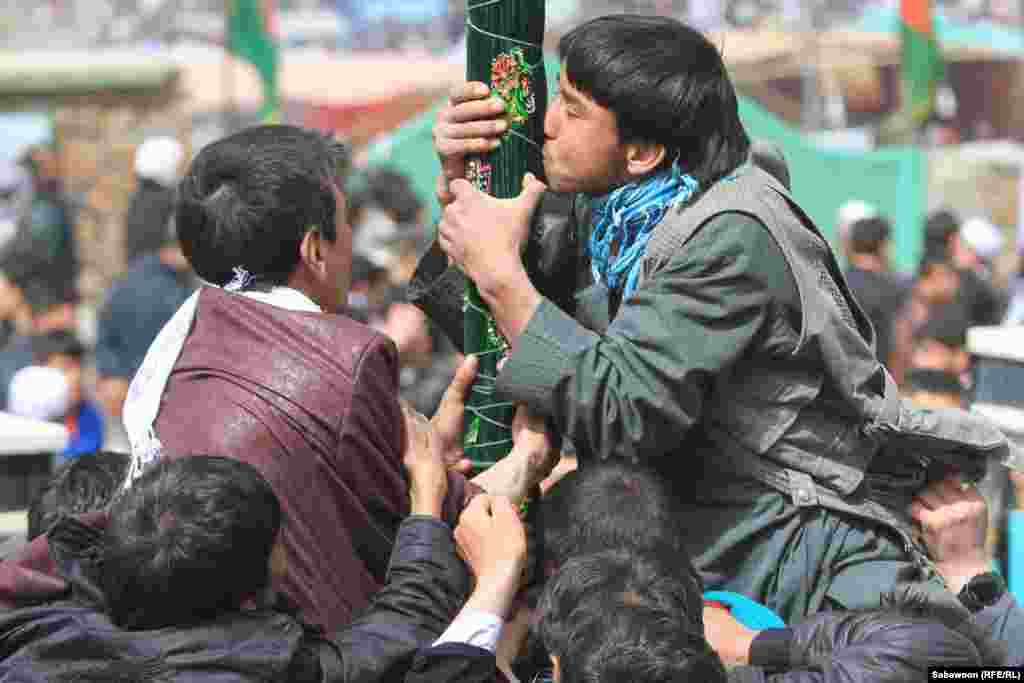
730,461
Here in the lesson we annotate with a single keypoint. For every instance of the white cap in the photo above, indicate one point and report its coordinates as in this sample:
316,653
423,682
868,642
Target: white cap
40,393
851,212
984,238
158,159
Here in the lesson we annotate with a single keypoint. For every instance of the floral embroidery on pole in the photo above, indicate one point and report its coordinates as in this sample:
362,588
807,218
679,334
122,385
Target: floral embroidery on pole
510,77
480,175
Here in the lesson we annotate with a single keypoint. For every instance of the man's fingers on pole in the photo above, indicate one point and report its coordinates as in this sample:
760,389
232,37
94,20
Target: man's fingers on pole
450,147
463,380
491,108
471,129
460,187
468,91
533,190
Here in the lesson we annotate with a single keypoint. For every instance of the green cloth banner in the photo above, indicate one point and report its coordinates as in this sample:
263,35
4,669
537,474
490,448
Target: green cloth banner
922,66
249,37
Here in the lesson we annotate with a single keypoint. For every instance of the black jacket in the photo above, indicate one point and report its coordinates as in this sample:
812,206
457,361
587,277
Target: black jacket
831,647
72,639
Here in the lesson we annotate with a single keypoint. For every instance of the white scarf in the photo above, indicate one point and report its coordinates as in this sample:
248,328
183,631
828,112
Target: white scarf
146,391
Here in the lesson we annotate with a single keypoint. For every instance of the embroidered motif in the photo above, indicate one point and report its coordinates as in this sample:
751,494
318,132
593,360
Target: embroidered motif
241,281
510,77
480,174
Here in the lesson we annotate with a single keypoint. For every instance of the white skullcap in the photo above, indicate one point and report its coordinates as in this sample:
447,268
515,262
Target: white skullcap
984,238
158,159
13,177
39,393
851,212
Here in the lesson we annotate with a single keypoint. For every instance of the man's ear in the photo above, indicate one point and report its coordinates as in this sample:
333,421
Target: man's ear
643,157
311,252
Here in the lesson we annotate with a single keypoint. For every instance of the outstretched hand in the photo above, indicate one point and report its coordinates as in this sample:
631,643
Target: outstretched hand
447,422
491,539
428,477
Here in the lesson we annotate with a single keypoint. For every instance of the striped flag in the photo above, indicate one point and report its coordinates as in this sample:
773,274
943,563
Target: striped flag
250,36
922,66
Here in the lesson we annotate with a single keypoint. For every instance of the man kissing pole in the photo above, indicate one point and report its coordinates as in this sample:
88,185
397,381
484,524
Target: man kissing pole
686,312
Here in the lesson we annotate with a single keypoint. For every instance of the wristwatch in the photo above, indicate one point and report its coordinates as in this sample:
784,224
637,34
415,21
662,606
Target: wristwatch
983,590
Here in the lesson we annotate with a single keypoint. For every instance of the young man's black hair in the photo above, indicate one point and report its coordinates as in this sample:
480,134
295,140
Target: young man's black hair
86,484
939,228
611,504
250,198
190,539
623,616
868,235
58,342
666,84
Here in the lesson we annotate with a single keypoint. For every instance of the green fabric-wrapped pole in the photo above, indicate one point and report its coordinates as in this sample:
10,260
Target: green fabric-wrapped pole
504,40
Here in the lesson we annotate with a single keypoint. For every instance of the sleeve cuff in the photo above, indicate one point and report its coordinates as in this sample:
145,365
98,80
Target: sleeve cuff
421,537
545,353
476,628
770,649
438,289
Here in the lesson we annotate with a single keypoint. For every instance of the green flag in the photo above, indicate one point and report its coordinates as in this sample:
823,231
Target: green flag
249,37
922,60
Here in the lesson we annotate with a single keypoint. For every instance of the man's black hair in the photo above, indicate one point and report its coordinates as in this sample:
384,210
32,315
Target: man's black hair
191,538
86,484
248,200
57,342
622,616
939,227
666,84
868,235
583,513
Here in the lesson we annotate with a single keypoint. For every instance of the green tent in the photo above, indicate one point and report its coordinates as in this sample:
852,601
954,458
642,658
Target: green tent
892,179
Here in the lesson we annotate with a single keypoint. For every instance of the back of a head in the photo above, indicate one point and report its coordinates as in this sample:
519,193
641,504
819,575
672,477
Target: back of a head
849,213
939,227
618,615
248,200
86,484
583,513
62,342
869,235
666,83
190,539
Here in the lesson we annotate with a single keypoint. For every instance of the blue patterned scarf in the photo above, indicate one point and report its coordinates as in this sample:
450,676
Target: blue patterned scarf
627,216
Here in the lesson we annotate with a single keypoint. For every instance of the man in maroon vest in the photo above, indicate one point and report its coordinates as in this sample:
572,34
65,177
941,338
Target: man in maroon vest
265,369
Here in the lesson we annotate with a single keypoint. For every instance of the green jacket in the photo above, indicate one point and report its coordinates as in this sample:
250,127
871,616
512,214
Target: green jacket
729,371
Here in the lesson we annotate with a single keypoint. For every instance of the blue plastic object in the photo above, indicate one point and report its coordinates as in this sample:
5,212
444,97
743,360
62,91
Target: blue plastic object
749,613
